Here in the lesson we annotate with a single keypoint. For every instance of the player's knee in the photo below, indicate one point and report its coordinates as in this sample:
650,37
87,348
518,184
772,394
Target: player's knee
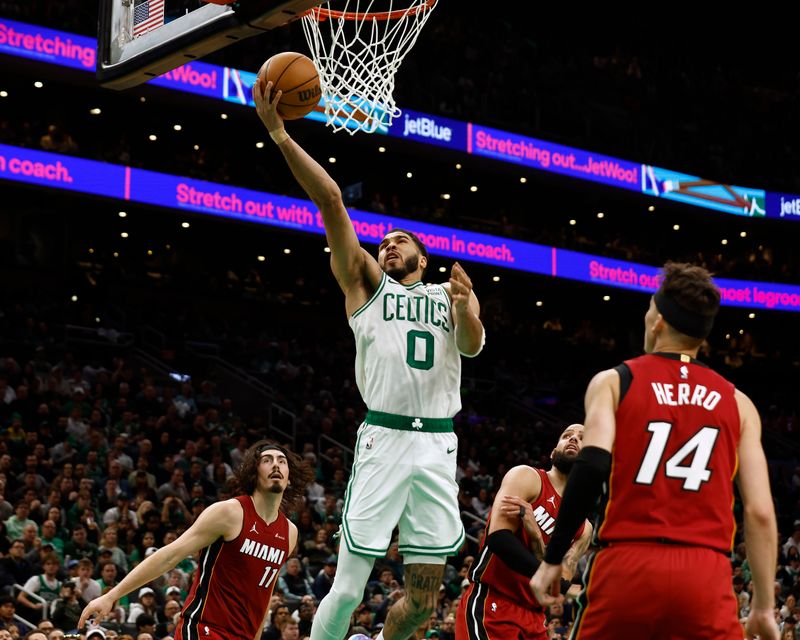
347,599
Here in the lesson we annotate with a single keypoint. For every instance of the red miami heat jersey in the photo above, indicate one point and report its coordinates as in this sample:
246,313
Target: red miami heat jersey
234,580
674,455
492,571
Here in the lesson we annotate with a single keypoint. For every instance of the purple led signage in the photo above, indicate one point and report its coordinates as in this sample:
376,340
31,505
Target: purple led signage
232,85
175,192
556,158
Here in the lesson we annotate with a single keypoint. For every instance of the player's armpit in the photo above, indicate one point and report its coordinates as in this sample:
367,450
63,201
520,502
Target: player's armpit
601,401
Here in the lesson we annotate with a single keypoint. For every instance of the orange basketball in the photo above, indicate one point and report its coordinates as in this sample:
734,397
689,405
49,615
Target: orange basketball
295,75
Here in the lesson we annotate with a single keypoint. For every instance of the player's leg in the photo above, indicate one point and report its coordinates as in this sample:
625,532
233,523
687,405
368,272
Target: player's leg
332,619
422,583
375,498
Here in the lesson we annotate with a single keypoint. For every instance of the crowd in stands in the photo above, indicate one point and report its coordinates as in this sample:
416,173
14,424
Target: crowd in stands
103,461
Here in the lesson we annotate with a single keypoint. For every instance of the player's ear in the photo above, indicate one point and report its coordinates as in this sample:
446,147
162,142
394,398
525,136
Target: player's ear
423,262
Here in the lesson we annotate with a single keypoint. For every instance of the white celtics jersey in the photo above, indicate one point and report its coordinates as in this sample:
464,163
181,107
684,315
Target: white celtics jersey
407,361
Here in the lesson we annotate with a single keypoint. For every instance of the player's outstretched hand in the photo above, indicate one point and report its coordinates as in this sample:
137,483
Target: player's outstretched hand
761,624
97,609
546,584
460,288
267,110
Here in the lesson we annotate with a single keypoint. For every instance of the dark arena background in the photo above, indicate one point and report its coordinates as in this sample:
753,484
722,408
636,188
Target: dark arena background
167,296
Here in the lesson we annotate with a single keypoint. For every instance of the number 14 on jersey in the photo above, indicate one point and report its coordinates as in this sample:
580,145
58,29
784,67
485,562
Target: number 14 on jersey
695,473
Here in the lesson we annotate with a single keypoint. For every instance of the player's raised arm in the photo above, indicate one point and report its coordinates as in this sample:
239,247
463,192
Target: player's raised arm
220,519
761,532
470,335
349,262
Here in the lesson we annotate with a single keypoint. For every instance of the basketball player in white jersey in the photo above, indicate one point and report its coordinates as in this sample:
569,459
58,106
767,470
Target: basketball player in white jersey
409,341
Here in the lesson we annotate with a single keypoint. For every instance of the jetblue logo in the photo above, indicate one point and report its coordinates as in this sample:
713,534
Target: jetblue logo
426,128
790,207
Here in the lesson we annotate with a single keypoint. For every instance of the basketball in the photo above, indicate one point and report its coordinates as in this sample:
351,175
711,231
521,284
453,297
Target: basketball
295,75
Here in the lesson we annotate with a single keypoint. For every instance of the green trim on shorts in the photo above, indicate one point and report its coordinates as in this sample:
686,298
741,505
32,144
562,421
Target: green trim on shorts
409,423
434,551
358,311
351,545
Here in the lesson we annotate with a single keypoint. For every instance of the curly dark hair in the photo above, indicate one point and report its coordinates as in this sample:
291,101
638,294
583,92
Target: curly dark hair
245,476
691,287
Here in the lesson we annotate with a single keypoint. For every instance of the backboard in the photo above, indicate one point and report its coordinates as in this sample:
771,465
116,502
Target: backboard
141,39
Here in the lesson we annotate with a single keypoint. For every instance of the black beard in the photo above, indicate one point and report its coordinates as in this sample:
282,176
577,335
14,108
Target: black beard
409,265
563,462
276,488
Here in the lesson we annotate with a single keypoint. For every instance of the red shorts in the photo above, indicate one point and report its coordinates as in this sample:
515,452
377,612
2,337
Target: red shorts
659,592
482,615
203,632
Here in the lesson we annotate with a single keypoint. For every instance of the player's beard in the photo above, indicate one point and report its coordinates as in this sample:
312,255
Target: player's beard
409,265
564,461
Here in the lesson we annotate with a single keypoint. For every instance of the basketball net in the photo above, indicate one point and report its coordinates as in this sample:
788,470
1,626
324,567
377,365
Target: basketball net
357,52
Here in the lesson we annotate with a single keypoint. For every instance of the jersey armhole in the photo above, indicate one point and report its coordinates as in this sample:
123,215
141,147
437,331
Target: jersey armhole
625,379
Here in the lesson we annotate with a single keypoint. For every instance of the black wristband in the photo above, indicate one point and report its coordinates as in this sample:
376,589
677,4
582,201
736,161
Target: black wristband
509,548
585,482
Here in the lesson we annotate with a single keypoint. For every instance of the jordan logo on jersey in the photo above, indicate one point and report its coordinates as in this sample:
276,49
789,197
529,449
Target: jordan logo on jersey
253,529
552,500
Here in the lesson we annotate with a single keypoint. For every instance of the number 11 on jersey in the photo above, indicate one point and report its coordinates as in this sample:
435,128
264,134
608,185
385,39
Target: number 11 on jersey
268,577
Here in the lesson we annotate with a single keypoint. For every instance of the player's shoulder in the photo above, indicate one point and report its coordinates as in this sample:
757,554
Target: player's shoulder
522,476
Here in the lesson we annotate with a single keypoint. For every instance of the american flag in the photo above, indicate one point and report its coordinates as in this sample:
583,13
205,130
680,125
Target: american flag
147,15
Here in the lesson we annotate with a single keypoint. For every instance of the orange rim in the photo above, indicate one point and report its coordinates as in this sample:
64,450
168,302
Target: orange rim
324,14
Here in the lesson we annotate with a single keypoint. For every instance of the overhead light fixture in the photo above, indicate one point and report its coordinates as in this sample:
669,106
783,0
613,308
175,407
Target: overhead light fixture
152,137
651,208
751,315
287,251
495,278
606,298
442,269
445,196
676,227
261,258
185,225
523,179
724,241
259,145
573,222
409,174
149,252
458,165
601,215
473,188
177,127
332,160
38,84
96,111
539,303
224,116
381,149
327,249
123,214
124,234
74,298
3,94
743,234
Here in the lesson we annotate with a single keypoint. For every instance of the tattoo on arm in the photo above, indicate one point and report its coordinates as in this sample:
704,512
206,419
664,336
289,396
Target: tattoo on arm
574,554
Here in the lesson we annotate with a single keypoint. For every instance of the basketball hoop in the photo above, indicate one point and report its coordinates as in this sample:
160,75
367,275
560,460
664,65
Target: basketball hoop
358,54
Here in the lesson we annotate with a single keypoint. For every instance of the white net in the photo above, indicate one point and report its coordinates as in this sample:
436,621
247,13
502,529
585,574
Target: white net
357,49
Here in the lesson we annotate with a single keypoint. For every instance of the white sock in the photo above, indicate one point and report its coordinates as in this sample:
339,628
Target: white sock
332,619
